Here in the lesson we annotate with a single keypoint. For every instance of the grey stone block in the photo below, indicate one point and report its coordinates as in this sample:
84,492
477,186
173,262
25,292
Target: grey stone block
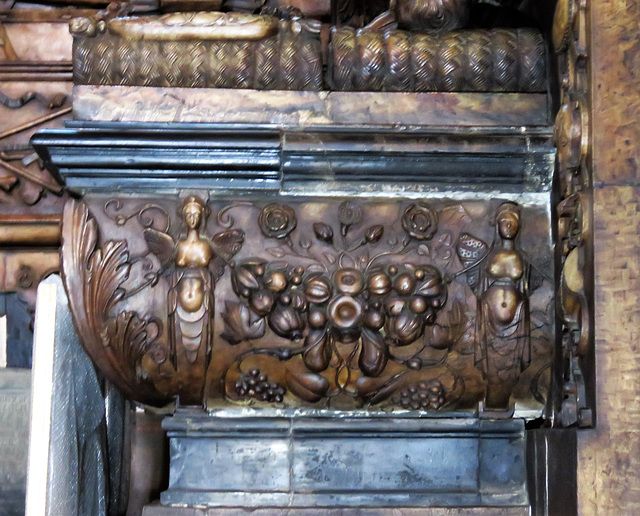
15,392
309,461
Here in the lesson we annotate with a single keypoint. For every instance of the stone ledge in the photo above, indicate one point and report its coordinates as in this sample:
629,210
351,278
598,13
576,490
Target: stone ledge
307,108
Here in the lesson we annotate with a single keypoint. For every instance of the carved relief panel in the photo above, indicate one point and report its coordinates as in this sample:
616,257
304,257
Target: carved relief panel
379,305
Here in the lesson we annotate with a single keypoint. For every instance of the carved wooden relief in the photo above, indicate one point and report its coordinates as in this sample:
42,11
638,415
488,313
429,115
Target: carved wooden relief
198,50
432,15
574,215
418,305
35,91
234,50
504,60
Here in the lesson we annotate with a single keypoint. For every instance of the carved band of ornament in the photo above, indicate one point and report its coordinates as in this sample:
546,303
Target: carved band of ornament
563,21
574,211
286,61
30,230
369,314
574,233
571,138
500,60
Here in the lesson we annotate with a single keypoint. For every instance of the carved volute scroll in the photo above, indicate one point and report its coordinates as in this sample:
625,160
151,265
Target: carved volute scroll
378,305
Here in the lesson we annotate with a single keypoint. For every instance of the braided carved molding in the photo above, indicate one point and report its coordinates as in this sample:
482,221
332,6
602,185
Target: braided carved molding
499,60
289,60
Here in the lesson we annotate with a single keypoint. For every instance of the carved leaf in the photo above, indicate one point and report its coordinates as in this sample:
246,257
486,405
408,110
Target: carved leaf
315,268
108,268
309,387
375,390
79,239
127,337
241,323
331,258
373,357
92,276
276,251
318,353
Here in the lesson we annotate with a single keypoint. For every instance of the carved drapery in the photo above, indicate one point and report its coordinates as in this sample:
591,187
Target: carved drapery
325,304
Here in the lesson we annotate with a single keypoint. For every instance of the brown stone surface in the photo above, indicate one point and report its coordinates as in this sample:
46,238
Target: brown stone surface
40,41
146,104
616,90
608,456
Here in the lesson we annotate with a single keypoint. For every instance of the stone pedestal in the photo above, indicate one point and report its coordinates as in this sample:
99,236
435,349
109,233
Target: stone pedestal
298,461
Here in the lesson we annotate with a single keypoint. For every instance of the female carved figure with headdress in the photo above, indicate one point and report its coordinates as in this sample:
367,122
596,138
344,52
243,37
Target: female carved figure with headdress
193,264
499,276
502,323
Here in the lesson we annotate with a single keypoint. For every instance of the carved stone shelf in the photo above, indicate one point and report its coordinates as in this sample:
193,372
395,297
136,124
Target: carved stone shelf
298,461
309,108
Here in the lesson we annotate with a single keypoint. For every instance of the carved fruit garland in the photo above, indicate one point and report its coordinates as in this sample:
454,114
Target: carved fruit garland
337,315
93,277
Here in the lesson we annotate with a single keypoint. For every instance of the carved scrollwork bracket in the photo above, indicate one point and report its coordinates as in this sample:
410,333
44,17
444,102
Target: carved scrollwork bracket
115,339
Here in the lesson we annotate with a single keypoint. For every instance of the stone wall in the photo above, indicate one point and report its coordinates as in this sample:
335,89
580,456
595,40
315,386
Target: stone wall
608,456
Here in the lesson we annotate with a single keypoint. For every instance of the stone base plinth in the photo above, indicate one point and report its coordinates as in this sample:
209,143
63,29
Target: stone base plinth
348,462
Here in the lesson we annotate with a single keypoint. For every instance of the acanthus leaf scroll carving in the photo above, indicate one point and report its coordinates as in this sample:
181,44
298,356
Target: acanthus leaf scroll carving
93,278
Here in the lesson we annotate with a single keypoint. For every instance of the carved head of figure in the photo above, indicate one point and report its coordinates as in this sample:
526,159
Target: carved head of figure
508,220
432,15
193,211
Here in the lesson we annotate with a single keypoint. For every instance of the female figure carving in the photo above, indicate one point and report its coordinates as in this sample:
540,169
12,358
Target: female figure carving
502,322
196,260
